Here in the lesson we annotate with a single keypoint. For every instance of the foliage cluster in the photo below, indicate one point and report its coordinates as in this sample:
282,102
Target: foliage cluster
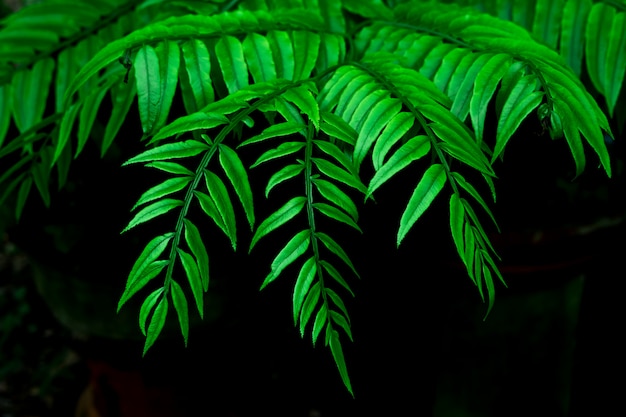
352,92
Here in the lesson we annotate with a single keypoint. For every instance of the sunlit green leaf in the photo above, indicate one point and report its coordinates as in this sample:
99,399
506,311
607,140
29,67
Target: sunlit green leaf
287,212
167,187
284,149
332,246
170,167
286,173
427,189
295,248
333,171
174,150
277,130
148,79
238,176
219,194
319,323
229,52
332,193
196,245
336,214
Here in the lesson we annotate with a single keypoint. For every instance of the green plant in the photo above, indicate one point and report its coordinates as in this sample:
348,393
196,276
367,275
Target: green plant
340,96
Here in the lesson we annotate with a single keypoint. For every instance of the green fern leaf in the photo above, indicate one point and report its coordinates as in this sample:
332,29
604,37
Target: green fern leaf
306,47
168,54
337,352
302,98
169,167
332,193
258,54
460,180
196,84
336,214
88,113
333,171
148,77
414,149
219,195
339,303
148,256
334,247
286,173
335,152
310,302
337,128
332,50
153,210
157,321
167,187
378,116
281,216
182,310
174,150
484,87
229,52
238,177
462,82
341,321
302,286
196,245
193,276
427,189
146,308
210,209
320,322
295,248
332,271
283,54
395,130
277,130
195,121
284,149
41,175
373,9
136,283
